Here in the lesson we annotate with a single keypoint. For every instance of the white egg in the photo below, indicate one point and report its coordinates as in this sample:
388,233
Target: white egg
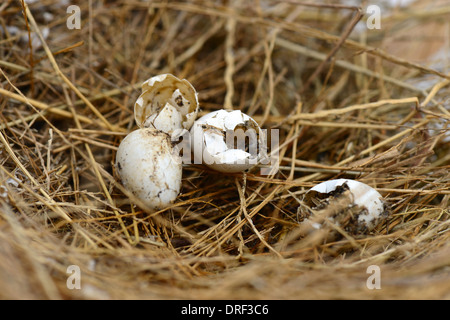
228,141
167,104
149,168
350,204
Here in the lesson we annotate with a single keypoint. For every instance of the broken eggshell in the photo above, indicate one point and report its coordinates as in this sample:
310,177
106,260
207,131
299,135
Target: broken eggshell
166,103
352,205
228,141
149,168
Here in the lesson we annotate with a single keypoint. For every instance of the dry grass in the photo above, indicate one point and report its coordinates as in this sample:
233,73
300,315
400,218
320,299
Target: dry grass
370,105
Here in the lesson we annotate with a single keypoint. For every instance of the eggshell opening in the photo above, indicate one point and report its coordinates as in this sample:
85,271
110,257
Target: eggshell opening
159,91
227,141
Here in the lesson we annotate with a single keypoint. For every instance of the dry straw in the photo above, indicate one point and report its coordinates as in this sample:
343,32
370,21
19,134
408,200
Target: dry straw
350,102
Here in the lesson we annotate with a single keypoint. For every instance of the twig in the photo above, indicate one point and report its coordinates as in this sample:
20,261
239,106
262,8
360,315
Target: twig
344,64
357,16
243,208
63,77
229,59
45,107
30,46
365,106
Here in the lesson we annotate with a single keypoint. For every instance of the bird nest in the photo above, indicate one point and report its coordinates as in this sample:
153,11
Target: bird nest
348,99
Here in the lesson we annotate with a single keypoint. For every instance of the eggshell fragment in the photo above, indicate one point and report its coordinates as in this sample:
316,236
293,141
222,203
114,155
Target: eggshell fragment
149,168
167,104
351,205
228,141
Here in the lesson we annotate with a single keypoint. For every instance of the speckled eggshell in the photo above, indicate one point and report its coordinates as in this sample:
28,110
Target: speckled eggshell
149,168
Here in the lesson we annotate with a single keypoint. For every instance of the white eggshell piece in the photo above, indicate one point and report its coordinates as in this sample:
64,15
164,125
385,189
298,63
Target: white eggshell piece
167,120
160,92
149,168
149,83
233,118
214,143
233,156
209,134
364,196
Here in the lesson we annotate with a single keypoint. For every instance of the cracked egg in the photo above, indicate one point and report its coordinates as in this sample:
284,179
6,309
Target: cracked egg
351,205
228,141
166,103
149,168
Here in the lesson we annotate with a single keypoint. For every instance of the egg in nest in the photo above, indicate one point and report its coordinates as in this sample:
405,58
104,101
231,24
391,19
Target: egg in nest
149,168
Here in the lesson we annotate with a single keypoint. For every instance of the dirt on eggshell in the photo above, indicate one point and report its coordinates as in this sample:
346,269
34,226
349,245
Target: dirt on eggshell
336,211
149,168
